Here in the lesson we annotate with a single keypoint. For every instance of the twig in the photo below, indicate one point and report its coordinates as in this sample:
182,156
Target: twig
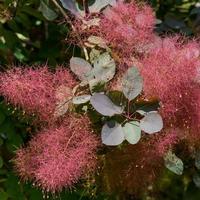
73,28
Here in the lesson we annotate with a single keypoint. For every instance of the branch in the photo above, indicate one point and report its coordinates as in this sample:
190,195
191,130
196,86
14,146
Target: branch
73,28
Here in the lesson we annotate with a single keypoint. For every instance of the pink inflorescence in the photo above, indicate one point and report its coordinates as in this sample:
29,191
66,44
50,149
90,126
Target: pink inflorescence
169,73
166,141
128,27
34,89
58,156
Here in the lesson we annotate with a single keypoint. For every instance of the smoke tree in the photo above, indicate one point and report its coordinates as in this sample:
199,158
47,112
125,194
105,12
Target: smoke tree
131,89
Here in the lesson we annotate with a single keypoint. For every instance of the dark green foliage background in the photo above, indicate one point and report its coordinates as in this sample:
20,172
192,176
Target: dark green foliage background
27,38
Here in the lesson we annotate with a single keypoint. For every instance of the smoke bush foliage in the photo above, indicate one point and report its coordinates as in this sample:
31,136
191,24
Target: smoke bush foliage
135,89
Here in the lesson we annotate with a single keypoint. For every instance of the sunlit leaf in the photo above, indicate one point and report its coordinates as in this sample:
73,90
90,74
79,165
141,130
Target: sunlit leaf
104,105
132,132
81,68
173,163
132,83
63,96
104,67
94,54
151,123
97,41
112,134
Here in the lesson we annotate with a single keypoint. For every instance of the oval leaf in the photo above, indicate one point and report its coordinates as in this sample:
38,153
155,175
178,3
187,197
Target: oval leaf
81,99
173,163
112,135
132,83
63,96
81,68
104,105
132,132
151,123
104,67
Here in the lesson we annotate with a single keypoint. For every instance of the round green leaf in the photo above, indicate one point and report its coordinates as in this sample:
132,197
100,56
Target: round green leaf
132,132
151,123
132,83
112,134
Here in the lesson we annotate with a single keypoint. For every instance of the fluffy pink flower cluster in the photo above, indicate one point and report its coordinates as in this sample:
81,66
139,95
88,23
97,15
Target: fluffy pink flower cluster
128,27
59,155
34,90
169,73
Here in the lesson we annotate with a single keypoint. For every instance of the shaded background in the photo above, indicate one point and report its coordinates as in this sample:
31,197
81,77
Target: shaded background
34,32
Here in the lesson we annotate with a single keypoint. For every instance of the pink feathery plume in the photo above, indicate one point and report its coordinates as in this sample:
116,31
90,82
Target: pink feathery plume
169,73
128,28
58,156
34,90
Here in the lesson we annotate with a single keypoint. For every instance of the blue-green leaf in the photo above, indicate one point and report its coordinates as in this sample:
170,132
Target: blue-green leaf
104,68
132,83
151,123
173,163
112,134
132,132
104,105
81,68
